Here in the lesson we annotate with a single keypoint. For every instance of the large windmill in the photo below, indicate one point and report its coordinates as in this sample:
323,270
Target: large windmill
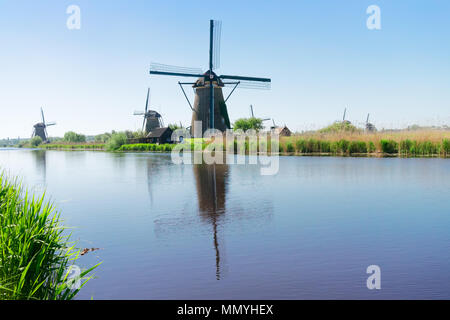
152,119
40,129
209,103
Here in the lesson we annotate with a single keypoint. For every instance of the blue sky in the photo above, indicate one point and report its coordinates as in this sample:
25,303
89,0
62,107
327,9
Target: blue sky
320,55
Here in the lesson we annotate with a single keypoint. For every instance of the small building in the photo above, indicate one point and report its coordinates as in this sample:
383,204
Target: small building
160,136
282,131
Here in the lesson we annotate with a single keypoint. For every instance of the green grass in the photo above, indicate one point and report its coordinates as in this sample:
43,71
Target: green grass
90,146
35,253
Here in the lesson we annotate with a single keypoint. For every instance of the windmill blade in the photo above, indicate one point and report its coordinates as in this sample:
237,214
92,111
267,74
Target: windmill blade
245,78
143,123
250,82
216,44
251,111
146,103
250,85
138,113
267,119
168,70
50,124
42,114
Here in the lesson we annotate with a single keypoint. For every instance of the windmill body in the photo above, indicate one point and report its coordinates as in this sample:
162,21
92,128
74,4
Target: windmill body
202,104
209,103
40,129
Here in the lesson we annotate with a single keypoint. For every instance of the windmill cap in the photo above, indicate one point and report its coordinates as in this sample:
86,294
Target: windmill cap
206,79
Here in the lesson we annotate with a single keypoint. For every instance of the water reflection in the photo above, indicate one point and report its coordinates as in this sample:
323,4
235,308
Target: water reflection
211,184
40,159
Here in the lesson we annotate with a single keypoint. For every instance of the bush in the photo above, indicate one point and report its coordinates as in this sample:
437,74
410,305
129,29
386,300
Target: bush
446,146
74,137
301,146
250,123
35,141
117,140
357,147
372,147
405,146
289,147
343,146
389,146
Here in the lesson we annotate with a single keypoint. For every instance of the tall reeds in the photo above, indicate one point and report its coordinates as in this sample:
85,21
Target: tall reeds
35,252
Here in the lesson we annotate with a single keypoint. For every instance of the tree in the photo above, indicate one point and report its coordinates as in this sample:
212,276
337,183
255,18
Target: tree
74,137
248,123
116,141
36,141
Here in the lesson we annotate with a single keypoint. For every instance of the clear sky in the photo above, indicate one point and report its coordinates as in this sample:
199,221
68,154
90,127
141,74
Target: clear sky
320,55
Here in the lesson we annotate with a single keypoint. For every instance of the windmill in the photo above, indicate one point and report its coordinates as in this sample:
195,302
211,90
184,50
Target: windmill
40,129
209,103
369,126
343,118
253,115
152,119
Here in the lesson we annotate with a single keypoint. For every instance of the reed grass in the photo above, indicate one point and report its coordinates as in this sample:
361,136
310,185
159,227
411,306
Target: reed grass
35,252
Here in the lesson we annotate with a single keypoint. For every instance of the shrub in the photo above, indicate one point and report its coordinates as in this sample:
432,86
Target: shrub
372,147
117,140
289,147
389,146
343,145
74,137
446,146
35,141
357,147
405,146
301,146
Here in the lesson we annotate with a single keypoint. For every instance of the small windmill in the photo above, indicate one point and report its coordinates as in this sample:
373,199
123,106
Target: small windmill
253,115
40,129
369,126
152,119
209,103
343,118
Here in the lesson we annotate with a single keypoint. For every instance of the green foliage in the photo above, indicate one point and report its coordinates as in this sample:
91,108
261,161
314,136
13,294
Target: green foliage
357,147
343,146
174,126
245,124
372,147
389,146
74,137
446,146
56,146
35,141
339,127
289,147
34,252
117,140
102,138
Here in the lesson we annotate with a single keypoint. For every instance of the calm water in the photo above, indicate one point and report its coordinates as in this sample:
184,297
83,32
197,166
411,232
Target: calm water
202,232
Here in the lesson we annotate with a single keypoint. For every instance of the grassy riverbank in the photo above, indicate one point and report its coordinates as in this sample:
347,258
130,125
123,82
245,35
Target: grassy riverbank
404,143
341,143
73,146
35,253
